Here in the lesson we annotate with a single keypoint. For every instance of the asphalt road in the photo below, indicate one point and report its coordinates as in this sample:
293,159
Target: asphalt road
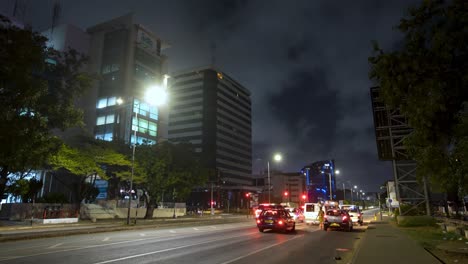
226,243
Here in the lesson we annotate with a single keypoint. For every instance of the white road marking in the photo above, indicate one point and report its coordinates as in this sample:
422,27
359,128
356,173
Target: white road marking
56,245
106,239
214,227
142,234
170,249
265,248
172,231
196,228
2,259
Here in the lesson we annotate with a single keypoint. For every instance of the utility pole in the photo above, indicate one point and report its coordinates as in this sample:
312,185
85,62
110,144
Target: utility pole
211,202
344,192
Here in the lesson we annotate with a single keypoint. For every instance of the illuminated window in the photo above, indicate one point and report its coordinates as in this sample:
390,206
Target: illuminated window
102,103
220,75
142,126
105,102
142,140
111,101
152,128
110,119
101,120
105,136
145,109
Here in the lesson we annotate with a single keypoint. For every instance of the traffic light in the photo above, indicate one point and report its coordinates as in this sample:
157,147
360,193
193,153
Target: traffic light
286,193
304,197
247,195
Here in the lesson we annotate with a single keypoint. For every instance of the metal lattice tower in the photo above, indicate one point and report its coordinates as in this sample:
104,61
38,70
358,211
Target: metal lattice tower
391,128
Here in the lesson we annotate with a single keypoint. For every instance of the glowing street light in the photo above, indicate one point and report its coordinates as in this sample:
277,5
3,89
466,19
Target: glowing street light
156,96
277,157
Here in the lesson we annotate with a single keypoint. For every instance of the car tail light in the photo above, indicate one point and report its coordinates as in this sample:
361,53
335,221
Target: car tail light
258,221
280,222
344,218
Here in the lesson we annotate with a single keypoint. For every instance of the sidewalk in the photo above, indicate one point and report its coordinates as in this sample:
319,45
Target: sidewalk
24,230
383,243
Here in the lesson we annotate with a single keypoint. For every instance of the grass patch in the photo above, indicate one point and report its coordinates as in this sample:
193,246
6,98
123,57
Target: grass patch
420,220
430,237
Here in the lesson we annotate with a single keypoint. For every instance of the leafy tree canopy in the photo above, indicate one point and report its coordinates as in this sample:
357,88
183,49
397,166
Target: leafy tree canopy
91,157
170,168
38,87
427,80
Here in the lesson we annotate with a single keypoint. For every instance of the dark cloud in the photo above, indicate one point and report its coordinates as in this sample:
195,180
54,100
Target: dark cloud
305,63
308,107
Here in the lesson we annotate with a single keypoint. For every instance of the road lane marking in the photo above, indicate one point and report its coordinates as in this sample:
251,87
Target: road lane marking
196,228
16,256
172,231
170,249
56,245
106,239
262,249
142,234
80,248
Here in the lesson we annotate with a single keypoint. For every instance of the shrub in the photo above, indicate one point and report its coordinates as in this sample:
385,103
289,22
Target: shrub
418,220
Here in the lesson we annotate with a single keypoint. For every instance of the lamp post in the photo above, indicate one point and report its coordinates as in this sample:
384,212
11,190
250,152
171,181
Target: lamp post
277,157
155,95
211,201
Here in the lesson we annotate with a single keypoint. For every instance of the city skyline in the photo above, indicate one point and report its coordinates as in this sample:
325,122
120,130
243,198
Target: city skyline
309,85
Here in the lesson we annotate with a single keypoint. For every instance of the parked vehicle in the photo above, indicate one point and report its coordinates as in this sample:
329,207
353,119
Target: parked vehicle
337,218
276,219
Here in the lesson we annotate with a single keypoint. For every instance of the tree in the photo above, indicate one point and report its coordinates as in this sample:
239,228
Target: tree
25,189
426,80
90,158
38,87
168,168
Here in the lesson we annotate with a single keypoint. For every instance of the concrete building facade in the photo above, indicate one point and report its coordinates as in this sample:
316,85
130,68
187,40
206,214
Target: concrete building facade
127,57
213,112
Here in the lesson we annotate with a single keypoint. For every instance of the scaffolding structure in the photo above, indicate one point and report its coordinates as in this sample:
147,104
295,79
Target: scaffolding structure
391,129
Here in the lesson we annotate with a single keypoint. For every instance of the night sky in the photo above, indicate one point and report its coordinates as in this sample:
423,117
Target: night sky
305,63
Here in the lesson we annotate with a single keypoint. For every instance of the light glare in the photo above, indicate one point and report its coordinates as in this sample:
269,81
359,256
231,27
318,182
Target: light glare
156,95
277,157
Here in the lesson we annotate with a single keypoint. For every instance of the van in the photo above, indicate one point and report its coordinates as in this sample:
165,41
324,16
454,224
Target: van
311,213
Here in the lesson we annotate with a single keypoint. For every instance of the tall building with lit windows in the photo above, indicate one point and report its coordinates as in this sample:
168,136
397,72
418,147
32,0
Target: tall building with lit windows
213,111
127,58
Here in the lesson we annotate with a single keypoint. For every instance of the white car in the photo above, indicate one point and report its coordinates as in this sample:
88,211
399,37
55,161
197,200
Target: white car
354,212
296,213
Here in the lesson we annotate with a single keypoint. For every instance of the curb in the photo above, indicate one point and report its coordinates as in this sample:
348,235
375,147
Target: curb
42,232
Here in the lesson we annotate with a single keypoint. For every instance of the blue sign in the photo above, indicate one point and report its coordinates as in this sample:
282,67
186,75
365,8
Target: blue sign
101,185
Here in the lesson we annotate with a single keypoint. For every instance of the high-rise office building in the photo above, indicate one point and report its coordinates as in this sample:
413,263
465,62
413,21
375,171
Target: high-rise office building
127,58
213,111
320,180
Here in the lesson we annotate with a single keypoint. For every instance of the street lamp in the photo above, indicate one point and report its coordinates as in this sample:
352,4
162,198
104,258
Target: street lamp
277,157
155,95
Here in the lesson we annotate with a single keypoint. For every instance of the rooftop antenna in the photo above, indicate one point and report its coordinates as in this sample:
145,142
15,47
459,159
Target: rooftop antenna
56,10
19,10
